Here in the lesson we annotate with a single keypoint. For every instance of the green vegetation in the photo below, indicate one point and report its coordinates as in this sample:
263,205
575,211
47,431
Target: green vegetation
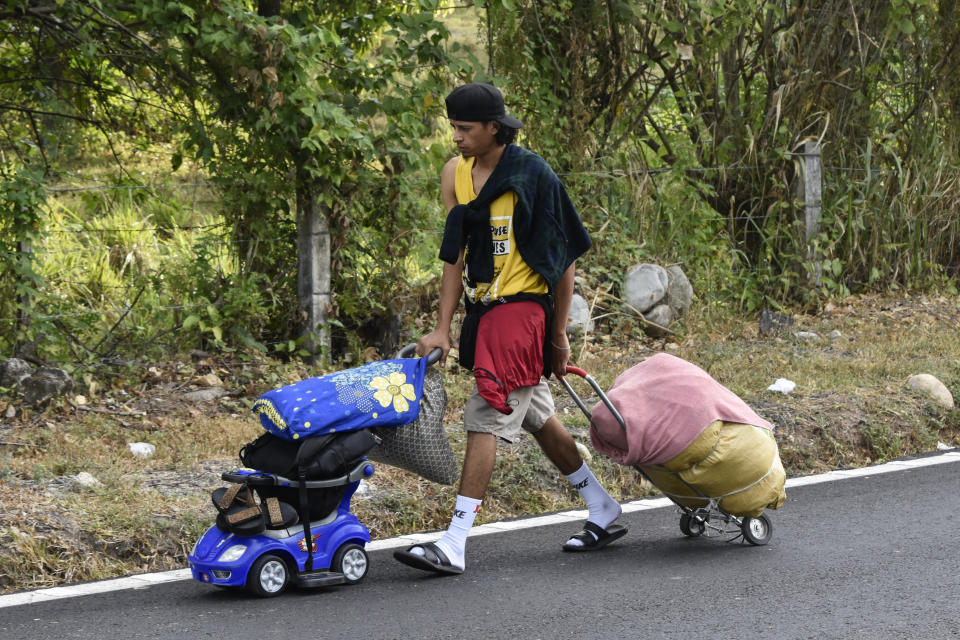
703,108
677,127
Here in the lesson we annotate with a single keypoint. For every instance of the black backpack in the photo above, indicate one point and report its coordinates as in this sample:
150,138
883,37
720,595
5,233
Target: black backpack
315,458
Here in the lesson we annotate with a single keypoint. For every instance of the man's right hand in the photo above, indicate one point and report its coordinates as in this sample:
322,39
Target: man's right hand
436,339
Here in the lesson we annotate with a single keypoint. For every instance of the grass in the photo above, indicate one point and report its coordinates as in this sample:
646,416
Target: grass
851,408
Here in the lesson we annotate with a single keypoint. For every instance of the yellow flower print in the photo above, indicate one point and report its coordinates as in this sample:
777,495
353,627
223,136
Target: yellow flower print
393,388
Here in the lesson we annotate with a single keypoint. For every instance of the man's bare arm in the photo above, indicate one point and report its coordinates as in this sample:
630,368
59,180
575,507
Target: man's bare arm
559,345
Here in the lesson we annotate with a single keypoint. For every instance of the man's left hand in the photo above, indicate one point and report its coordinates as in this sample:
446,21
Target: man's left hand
559,356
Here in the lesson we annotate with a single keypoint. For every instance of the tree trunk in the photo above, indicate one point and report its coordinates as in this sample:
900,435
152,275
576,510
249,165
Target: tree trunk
313,271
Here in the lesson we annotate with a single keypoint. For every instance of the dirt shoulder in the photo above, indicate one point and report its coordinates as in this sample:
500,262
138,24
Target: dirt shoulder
851,407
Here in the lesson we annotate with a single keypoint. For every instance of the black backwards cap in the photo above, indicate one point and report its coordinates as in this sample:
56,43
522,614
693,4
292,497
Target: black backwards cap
479,102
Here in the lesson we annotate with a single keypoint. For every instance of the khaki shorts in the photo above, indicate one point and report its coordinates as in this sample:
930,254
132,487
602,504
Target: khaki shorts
532,407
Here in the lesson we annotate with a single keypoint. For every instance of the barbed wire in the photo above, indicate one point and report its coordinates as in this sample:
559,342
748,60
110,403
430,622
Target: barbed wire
102,312
109,187
156,229
613,172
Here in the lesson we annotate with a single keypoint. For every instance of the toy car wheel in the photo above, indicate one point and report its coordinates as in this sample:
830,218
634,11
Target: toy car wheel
757,531
268,577
351,560
690,526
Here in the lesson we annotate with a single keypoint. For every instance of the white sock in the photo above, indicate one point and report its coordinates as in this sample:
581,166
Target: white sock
454,541
601,507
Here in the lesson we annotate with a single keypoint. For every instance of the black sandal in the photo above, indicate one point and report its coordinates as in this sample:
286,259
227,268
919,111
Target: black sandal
593,537
434,559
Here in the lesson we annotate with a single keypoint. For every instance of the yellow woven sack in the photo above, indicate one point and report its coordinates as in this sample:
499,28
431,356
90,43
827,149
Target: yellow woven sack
738,464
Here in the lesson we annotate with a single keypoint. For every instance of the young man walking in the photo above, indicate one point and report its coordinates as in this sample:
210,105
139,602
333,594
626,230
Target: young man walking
509,244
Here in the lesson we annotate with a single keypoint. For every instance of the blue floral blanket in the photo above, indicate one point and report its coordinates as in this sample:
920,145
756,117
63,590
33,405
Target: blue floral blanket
380,394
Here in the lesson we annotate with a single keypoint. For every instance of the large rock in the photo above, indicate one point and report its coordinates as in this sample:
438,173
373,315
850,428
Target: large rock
660,295
44,384
13,372
662,316
930,385
679,290
579,320
645,285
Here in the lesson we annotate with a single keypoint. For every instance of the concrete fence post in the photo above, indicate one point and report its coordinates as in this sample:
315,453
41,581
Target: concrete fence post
809,193
313,276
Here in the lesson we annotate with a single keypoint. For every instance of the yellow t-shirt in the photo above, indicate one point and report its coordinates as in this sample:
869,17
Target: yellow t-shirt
511,275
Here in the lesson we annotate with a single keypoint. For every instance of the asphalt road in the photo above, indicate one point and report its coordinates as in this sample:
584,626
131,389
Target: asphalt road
868,557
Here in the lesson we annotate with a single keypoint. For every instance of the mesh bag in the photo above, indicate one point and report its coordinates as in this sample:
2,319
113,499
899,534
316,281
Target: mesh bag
421,446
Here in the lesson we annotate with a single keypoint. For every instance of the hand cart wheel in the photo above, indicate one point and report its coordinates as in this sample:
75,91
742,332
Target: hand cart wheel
692,526
757,531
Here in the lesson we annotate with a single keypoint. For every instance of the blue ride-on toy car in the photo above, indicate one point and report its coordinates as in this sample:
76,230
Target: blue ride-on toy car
298,479
266,563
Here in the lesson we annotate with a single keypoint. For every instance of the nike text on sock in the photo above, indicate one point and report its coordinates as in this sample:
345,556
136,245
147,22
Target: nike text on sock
454,541
601,507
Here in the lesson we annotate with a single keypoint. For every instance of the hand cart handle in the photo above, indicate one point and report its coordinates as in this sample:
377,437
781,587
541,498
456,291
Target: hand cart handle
596,387
410,351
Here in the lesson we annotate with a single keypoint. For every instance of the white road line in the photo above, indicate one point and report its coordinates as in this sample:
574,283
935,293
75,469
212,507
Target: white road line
145,580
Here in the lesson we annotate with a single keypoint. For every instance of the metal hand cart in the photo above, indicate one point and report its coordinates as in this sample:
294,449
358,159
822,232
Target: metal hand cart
707,519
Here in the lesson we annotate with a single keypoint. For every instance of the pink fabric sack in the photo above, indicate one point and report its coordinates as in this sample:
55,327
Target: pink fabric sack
666,403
